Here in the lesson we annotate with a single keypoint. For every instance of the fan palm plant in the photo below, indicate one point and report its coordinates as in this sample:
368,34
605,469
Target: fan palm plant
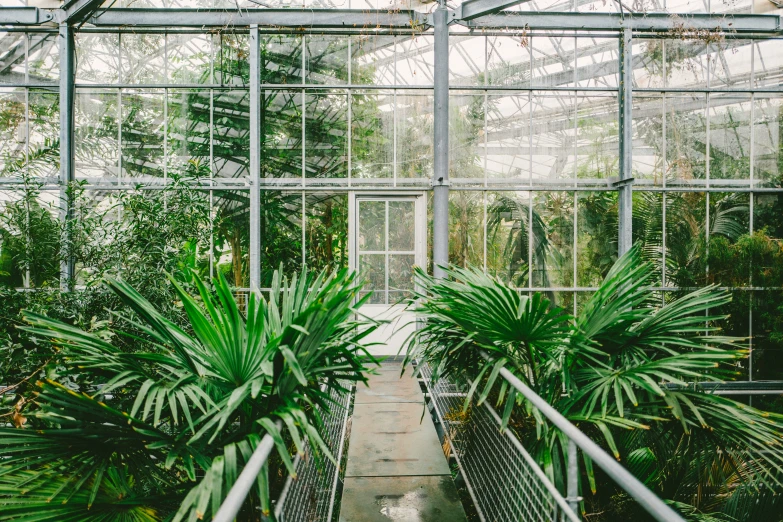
621,370
166,432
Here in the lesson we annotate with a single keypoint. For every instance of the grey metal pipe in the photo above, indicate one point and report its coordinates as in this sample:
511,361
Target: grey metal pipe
67,76
638,491
440,179
247,478
625,188
255,158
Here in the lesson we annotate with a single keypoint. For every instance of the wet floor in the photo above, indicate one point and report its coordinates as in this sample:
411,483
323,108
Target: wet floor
396,468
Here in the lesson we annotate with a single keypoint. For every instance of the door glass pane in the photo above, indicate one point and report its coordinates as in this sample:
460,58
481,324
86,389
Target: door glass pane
400,276
372,269
402,225
372,226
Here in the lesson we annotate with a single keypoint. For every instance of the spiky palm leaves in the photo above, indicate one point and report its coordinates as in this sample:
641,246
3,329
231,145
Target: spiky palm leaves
170,426
619,370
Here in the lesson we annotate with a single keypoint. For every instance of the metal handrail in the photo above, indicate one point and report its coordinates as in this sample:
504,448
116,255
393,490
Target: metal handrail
576,438
233,502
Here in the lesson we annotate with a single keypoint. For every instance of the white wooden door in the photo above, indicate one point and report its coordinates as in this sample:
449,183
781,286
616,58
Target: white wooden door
388,238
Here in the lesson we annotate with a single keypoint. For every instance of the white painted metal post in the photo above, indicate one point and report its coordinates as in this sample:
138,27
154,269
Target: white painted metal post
440,180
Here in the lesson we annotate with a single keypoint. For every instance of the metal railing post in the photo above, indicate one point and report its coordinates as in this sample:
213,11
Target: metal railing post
572,487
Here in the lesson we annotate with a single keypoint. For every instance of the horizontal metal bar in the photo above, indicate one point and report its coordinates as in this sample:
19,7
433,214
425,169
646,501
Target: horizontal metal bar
77,11
648,22
24,16
637,491
470,9
300,19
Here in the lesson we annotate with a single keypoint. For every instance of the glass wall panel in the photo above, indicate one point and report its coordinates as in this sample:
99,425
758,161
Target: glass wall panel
142,58
466,136
415,62
29,238
97,58
507,153
413,114
327,231
142,122
597,146
768,140
326,136
730,136
597,62
281,233
686,138
728,252
43,114
13,135
372,136
96,117
731,63
648,229
326,59
596,240
650,72
43,57
508,236
232,64
231,237
189,58
508,61
553,262
466,228
372,59
467,60
14,66
767,62
281,59
767,327
231,134
188,133
554,131
281,119
553,61
686,62
648,143
686,223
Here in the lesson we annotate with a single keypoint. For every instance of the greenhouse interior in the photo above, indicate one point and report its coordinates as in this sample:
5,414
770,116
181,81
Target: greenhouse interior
408,260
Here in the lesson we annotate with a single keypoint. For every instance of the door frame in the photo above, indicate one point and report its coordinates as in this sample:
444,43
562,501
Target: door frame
420,227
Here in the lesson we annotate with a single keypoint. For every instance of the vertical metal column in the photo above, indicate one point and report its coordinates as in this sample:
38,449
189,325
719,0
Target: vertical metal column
624,185
67,73
255,158
440,180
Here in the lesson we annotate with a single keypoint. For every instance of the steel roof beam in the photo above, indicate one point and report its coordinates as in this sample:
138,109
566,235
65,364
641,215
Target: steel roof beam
77,11
24,16
267,18
650,22
471,9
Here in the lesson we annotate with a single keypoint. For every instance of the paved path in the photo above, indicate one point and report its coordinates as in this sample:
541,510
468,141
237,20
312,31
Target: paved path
396,467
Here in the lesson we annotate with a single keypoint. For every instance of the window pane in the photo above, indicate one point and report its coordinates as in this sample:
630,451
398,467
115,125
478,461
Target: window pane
402,225
372,268
372,226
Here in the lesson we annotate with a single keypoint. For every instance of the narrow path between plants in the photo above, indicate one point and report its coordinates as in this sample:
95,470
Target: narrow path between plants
396,468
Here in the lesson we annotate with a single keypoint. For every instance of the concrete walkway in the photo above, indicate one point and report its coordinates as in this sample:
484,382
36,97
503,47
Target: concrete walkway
396,468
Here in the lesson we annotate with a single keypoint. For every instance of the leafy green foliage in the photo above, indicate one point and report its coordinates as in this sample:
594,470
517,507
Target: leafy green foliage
620,370
163,431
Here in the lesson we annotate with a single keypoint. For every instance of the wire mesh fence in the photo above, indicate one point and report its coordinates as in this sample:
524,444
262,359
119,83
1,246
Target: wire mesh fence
310,497
503,480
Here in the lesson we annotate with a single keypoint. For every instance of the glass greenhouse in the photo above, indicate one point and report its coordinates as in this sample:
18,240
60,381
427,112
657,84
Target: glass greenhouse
611,169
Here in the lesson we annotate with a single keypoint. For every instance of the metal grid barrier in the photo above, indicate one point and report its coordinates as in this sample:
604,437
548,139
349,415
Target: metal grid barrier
503,480
310,497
